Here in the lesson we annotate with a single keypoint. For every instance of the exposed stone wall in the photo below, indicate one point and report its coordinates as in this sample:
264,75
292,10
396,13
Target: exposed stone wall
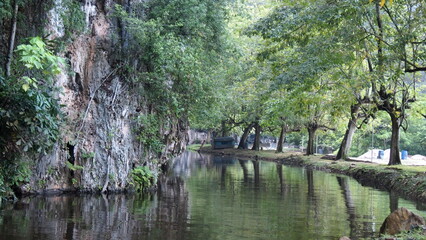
100,109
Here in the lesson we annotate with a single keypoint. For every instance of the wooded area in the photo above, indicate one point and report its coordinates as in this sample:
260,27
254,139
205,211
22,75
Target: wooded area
344,70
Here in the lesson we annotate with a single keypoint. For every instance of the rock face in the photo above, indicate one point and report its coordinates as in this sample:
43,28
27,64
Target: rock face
100,108
401,220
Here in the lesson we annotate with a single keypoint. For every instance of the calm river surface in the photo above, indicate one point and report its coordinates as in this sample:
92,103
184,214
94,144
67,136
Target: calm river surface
207,197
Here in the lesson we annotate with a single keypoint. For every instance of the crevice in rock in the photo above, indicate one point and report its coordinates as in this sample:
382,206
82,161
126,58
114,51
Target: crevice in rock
71,157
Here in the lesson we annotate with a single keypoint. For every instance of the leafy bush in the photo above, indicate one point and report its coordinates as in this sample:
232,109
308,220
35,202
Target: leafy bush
30,113
73,167
148,132
142,178
73,18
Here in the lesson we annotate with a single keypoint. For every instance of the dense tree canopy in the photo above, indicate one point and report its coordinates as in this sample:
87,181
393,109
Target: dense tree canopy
318,68
361,56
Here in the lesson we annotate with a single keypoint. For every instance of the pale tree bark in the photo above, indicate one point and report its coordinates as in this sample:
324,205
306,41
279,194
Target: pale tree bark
12,35
385,103
256,144
281,139
283,133
243,139
394,158
311,131
347,139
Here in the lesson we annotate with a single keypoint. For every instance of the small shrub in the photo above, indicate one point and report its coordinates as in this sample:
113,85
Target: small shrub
142,178
148,132
87,155
73,167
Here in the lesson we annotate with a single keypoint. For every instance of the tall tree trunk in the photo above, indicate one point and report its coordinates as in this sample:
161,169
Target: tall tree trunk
347,139
11,39
224,129
281,140
310,148
244,137
256,144
394,158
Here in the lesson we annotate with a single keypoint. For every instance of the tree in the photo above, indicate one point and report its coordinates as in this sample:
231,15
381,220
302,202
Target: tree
30,113
12,38
391,31
320,36
174,59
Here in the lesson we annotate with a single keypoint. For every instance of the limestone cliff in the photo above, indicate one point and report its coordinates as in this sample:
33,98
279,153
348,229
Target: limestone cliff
100,109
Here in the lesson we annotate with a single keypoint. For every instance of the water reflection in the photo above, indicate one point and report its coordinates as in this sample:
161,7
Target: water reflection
213,197
350,206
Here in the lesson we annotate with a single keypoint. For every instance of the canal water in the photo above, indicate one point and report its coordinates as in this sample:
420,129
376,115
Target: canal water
213,197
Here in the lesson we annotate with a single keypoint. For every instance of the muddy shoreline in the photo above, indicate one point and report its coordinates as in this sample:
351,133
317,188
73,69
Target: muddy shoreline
407,184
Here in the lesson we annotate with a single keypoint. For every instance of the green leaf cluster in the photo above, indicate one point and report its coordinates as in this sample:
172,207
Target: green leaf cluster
30,114
73,167
73,19
12,173
147,131
141,178
171,50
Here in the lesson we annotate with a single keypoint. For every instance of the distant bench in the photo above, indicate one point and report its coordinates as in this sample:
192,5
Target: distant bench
223,142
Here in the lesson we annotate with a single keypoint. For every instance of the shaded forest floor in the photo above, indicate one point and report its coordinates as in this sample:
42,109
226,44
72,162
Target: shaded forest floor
407,181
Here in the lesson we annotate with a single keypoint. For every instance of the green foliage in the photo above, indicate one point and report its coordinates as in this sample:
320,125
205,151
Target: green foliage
73,19
74,181
38,59
87,155
148,132
141,178
196,147
171,50
5,10
415,234
377,134
29,110
12,173
73,167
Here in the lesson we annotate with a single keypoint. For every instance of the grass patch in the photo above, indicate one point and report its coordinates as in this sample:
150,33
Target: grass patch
315,160
196,147
415,169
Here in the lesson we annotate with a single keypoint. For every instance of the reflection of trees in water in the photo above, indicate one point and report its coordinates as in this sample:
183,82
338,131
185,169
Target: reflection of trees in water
312,199
364,229
393,201
188,162
223,176
350,206
283,187
256,174
172,212
132,216
293,199
70,217
245,170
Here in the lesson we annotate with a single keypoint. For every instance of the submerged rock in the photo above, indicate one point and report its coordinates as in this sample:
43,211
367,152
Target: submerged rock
401,220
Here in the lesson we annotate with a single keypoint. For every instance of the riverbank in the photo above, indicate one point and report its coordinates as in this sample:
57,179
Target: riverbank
407,181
